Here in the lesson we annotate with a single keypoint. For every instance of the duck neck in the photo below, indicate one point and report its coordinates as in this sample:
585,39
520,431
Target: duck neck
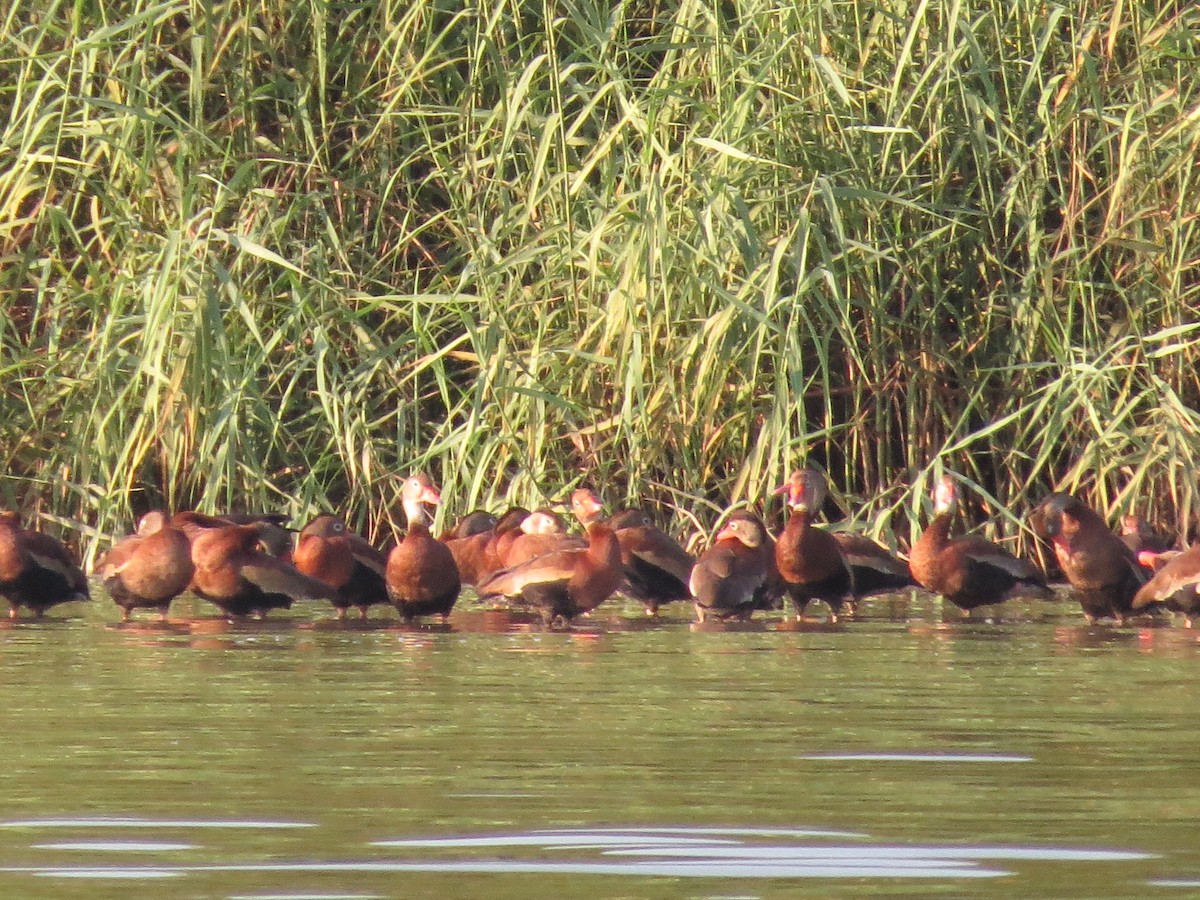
414,512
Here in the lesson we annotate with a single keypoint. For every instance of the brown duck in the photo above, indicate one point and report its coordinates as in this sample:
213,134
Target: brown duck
148,569
1101,569
564,583
809,560
736,575
37,571
343,560
235,574
422,577
969,571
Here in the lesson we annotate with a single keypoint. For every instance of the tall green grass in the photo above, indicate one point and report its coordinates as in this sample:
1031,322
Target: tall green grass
274,254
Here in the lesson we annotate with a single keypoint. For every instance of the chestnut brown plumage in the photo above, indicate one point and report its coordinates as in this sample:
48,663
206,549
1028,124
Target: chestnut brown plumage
542,531
343,560
809,560
507,530
422,577
37,571
1102,571
969,571
1174,586
736,575
233,573
566,583
468,544
273,538
148,569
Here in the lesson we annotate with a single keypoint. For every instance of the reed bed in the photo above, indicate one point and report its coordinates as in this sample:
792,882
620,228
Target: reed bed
272,254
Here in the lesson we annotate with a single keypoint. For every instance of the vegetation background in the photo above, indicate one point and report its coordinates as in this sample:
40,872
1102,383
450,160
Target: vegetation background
272,254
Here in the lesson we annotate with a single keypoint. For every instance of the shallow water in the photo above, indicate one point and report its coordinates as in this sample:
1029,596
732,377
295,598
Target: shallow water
906,753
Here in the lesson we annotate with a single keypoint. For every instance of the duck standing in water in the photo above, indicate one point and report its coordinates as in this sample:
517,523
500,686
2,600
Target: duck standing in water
345,561
736,575
233,573
37,571
148,569
969,571
1101,569
422,577
1174,586
809,560
565,583
657,568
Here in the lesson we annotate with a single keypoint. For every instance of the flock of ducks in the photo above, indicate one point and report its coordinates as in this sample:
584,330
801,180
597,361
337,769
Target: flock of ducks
247,565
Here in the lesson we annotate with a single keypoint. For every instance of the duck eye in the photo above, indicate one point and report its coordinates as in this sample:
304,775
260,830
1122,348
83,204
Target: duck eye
338,526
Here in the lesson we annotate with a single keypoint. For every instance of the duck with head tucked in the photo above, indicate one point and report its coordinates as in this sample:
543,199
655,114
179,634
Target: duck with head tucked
37,571
148,569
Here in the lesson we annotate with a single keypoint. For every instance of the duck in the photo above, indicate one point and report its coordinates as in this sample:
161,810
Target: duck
343,560
969,571
1173,586
736,575
542,531
37,571
507,530
1103,572
810,561
468,543
236,575
149,568
657,568
564,583
422,576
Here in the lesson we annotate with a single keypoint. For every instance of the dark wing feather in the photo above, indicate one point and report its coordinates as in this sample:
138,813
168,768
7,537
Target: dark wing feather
271,576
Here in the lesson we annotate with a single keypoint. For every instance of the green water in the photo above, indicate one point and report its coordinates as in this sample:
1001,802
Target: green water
895,755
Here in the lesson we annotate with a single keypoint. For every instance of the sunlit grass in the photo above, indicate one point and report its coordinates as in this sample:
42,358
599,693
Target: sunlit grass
274,255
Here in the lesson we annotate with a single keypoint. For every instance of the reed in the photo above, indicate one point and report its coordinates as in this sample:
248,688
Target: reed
271,254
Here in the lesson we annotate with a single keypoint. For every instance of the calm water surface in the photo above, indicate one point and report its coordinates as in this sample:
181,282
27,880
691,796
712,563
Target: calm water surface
906,753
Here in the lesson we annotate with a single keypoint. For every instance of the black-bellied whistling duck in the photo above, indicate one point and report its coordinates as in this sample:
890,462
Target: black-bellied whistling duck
810,561
657,568
1174,586
148,569
233,573
468,543
736,575
969,571
1102,570
345,561
542,531
37,571
565,583
507,530
422,577
1147,544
